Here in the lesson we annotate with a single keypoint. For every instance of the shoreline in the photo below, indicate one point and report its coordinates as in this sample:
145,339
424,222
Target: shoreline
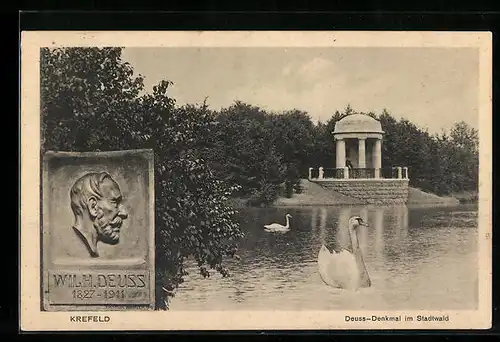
314,195
241,203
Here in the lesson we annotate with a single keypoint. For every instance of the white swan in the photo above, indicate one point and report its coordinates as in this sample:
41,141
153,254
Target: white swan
345,270
276,227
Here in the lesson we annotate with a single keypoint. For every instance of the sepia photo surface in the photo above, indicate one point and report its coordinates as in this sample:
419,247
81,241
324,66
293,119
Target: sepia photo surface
255,180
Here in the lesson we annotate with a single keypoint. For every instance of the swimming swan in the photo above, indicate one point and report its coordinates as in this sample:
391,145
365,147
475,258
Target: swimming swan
276,227
345,270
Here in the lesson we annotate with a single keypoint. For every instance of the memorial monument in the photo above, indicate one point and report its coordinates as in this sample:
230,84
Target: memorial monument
98,231
358,171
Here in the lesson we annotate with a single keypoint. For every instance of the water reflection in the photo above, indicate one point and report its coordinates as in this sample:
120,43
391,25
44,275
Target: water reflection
363,230
416,258
322,225
314,218
343,240
378,227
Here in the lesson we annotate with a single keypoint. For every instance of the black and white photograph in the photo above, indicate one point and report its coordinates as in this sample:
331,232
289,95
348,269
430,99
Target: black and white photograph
256,180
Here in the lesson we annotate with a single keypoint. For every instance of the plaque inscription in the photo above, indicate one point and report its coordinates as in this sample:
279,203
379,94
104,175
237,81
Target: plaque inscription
110,287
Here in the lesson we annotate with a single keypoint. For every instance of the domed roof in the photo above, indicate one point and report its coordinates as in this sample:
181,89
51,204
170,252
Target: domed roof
358,123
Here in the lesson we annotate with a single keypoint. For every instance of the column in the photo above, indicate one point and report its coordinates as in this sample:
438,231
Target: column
340,153
406,172
361,153
346,172
377,157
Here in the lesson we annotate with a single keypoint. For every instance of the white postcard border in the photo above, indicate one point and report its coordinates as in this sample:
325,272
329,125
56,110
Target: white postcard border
33,319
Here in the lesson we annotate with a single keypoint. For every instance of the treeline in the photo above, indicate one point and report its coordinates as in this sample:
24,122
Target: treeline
264,152
92,101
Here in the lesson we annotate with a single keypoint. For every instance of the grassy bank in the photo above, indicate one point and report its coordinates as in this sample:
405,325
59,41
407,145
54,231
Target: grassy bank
466,197
314,194
419,197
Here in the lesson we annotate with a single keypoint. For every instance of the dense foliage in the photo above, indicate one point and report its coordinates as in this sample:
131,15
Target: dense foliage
92,101
261,151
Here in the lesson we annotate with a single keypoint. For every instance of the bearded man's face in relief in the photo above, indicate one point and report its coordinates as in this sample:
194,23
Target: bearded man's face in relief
109,212
96,201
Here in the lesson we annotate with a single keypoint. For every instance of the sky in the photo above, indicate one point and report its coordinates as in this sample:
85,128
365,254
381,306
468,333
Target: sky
432,87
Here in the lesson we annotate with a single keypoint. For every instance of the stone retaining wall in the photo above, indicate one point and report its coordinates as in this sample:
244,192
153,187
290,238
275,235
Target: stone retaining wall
383,191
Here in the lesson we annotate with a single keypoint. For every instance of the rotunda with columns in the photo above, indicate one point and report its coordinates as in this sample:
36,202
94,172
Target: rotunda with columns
358,171
359,140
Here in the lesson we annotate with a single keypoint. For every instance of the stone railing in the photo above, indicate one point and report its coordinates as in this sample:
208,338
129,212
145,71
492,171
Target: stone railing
396,172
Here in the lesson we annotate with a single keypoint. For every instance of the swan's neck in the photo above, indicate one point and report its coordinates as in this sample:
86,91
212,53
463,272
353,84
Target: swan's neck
356,250
354,241
287,222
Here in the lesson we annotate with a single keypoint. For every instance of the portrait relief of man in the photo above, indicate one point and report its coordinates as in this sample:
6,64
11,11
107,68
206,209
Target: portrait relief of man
96,202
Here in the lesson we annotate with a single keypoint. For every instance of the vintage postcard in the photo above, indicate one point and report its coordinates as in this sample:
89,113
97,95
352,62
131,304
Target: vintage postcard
255,180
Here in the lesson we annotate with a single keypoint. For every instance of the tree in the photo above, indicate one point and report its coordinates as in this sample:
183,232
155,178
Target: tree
82,92
465,137
292,136
244,154
441,164
461,153
348,110
90,101
323,150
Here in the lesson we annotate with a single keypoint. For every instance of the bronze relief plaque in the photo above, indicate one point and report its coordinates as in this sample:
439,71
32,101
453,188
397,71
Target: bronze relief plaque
98,231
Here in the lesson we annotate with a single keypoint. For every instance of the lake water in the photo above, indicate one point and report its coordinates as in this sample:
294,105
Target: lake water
417,258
